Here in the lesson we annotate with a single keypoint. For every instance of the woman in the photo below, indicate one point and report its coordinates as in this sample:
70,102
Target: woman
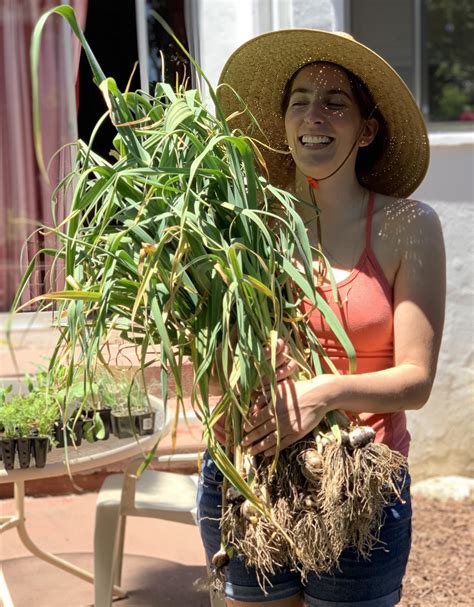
350,139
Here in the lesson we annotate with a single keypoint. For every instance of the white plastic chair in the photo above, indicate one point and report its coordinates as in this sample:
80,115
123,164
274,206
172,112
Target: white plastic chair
156,494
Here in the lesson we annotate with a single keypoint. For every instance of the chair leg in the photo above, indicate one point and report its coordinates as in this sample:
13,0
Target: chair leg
105,542
119,550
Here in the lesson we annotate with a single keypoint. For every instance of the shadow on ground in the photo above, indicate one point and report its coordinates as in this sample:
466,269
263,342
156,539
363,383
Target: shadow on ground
150,582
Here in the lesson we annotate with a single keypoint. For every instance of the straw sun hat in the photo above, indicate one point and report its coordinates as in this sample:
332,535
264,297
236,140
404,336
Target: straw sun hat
259,70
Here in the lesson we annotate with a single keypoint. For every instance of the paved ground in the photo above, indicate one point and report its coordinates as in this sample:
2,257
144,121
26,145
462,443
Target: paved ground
163,560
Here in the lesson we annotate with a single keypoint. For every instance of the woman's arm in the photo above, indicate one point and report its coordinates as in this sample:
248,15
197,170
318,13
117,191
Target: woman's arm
419,297
419,301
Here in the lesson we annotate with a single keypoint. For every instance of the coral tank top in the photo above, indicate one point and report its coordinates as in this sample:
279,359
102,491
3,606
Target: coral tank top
365,309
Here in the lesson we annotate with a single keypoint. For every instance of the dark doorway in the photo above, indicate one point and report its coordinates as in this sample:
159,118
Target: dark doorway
111,30
112,34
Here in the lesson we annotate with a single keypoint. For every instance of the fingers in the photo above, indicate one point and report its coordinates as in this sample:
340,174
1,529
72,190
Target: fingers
280,345
268,445
282,372
282,352
284,443
261,433
284,367
259,414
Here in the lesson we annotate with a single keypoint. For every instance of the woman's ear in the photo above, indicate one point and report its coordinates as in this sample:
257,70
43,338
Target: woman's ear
369,132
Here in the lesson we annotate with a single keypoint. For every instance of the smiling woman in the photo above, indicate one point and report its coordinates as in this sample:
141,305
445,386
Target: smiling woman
342,132
322,113
337,100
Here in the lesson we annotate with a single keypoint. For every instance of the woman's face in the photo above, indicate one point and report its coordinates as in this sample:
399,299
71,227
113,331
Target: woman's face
323,120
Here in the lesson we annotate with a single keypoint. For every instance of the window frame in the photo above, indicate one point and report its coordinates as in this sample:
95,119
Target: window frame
464,128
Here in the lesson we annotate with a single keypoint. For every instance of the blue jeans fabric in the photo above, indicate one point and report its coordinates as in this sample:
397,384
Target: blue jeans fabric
375,582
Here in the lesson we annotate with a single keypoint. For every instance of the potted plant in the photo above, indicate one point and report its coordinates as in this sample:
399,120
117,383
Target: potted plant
27,421
69,427
132,413
69,433
87,405
97,406
23,437
44,414
8,416
4,391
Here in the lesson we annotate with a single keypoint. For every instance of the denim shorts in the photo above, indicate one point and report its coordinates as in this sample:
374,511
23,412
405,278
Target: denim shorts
357,582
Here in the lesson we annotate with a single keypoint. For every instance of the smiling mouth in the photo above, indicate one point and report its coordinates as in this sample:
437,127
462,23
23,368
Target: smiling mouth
315,140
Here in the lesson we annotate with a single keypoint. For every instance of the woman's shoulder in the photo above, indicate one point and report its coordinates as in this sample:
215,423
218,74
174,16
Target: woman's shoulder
405,217
405,230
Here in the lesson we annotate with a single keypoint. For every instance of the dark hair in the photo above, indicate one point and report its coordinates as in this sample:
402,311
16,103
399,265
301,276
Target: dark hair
367,156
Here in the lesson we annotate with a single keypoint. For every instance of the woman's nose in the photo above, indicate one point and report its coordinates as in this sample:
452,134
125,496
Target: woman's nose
314,113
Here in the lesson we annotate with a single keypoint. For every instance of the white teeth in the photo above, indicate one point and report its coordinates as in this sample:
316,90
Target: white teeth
309,139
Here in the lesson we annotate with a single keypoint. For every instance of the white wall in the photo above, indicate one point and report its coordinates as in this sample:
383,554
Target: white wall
223,26
442,431
316,14
226,24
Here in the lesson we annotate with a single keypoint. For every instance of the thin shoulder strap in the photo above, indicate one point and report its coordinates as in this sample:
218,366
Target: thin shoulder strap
368,224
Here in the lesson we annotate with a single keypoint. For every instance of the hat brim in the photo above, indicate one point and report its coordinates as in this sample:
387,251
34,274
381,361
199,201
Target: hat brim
257,73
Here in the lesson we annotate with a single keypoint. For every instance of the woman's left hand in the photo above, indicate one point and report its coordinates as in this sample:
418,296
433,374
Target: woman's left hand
299,407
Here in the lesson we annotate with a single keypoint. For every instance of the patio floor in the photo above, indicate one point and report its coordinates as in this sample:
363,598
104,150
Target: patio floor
163,560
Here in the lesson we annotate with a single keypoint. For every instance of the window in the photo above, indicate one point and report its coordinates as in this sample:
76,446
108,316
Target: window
430,43
449,77
161,58
175,65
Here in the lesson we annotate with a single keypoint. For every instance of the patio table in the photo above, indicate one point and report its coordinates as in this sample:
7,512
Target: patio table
86,457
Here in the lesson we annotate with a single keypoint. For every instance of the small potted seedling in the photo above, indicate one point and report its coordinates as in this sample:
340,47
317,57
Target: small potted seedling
27,421
132,413
44,413
4,391
69,427
8,437
23,438
86,410
97,407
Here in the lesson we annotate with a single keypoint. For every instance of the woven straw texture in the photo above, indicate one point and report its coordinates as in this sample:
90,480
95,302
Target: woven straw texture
259,70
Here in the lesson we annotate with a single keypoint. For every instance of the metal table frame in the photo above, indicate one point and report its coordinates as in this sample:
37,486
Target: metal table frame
101,454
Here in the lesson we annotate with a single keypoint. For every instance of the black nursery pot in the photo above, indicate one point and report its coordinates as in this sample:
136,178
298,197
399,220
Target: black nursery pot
7,447
59,434
125,426
145,423
40,450
23,447
122,425
106,417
